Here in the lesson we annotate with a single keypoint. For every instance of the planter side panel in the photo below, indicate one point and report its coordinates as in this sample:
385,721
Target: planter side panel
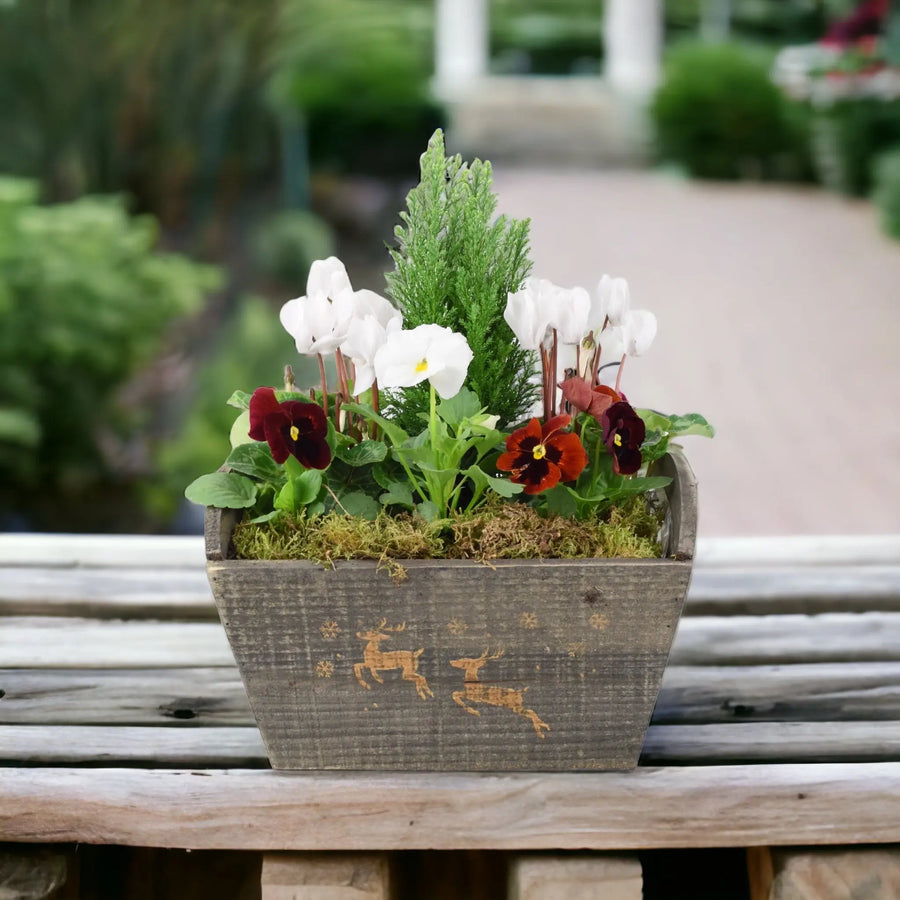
533,665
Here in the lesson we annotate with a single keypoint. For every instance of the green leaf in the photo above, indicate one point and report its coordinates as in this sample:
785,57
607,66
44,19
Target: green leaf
364,453
255,459
561,501
398,493
395,433
356,503
226,490
307,487
240,400
17,426
692,423
632,487
265,517
655,421
240,431
428,511
463,405
502,486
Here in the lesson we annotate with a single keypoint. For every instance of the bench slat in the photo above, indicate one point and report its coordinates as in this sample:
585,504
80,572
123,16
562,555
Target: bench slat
701,806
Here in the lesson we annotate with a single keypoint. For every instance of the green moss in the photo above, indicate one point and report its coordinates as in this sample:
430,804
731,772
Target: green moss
499,530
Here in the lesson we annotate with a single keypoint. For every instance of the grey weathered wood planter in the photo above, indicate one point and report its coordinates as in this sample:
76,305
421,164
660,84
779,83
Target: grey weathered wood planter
534,665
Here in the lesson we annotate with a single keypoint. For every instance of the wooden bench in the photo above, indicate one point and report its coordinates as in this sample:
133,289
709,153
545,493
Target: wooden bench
123,720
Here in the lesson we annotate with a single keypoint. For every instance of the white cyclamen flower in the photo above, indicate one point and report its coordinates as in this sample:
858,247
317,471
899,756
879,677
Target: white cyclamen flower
365,337
428,351
318,322
540,306
612,300
637,331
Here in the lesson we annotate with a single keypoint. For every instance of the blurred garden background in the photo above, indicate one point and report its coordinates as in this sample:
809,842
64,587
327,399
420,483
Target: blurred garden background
169,170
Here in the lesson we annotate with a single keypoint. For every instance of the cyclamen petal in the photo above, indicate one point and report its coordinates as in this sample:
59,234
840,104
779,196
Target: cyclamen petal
612,300
638,331
327,278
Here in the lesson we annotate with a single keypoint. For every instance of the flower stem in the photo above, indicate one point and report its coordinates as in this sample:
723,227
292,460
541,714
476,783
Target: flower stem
619,373
553,367
324,384
437,487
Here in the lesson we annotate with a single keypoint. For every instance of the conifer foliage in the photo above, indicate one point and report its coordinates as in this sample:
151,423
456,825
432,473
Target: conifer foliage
455,265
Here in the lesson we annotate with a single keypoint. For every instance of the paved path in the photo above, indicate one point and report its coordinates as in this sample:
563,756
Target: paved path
779,313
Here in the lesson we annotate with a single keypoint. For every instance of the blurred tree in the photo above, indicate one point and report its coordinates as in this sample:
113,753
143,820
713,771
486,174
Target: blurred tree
84,304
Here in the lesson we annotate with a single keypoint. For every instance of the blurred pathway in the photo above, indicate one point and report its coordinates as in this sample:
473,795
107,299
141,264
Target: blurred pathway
779,320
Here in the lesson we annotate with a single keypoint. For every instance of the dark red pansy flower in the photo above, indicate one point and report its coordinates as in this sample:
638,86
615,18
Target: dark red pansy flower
623,433
292,427
541,456
594,401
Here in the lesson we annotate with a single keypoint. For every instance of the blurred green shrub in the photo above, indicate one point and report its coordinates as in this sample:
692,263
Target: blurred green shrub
357,73
847,137
250,351
887,190
286,244
84,304
718,114
160,98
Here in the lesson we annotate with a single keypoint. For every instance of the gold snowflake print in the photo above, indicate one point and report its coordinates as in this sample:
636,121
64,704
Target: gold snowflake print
576,648
598,621
324,668
457,626
330,630
528,620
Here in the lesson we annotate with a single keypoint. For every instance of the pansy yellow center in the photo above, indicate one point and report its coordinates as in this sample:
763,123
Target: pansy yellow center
539,451
295,432
617,440
422,366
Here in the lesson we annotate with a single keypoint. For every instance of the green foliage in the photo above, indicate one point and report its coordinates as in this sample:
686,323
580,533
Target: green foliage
251,350
156,97
84,304
718,114
887,190
454,266
848,136
285,246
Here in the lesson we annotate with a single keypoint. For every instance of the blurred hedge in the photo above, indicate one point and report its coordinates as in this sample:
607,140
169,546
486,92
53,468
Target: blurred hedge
887,190
718,114
85,303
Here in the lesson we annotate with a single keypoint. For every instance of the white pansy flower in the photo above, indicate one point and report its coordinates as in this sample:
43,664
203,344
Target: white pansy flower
637,331
427,352
364,339
612,300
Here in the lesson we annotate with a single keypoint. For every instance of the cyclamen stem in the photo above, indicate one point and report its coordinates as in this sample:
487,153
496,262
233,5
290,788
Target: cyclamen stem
324,384
619,373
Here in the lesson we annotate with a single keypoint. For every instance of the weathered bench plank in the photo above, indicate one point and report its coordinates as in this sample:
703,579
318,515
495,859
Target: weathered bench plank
715,806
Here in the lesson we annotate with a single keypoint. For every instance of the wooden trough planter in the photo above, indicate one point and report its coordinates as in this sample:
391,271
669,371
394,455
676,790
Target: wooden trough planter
526,665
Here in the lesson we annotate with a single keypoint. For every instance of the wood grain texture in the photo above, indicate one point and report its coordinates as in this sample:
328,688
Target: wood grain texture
332,876
715,806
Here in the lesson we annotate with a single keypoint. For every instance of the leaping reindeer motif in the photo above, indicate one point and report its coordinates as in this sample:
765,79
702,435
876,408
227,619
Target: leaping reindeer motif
492,694
376,660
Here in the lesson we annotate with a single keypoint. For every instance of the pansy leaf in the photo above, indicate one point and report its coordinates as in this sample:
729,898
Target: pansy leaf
502,486
395,434
428,511
239,400
226,490
356,503
462,405
363,454
265,517
240,431
255,459
632,487
561,501
397,493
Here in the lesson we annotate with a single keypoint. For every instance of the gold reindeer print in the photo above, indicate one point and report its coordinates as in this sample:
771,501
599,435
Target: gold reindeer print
457,626
476,691
376,660
576,649
598,621
330,629
528,620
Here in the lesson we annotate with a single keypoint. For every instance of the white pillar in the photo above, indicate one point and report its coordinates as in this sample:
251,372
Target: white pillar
633,39
461,38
